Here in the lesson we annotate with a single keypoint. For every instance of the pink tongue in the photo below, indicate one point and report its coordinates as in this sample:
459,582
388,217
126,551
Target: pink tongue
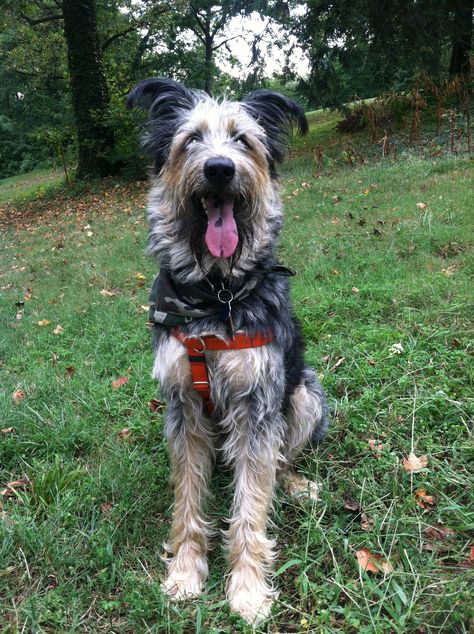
221,235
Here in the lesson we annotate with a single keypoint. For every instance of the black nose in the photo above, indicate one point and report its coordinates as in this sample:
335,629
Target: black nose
219,170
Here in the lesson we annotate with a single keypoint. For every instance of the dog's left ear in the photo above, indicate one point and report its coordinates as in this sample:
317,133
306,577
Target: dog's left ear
278,116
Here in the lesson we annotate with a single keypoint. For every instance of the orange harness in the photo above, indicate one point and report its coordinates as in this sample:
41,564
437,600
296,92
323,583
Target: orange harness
197,346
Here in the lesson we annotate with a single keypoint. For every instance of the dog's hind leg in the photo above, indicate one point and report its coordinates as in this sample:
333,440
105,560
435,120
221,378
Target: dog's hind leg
191,454
307,422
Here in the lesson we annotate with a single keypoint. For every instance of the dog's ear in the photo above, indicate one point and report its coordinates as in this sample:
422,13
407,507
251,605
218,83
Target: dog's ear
151,94
277,115
165,100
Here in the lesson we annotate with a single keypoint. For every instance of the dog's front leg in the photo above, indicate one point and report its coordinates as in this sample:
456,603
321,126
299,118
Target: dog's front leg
250,551
191,454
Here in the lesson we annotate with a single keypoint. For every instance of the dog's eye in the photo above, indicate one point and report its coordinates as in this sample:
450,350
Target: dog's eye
242,141
194,138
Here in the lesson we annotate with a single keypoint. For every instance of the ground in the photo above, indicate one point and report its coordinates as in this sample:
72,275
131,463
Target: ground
384,254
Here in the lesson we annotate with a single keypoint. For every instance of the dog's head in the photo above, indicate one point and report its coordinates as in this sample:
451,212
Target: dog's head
214,162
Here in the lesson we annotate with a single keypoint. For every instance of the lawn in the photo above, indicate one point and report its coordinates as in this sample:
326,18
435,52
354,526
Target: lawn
30,185
384,254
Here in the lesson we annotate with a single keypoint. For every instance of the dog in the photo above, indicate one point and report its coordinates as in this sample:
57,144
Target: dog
228,348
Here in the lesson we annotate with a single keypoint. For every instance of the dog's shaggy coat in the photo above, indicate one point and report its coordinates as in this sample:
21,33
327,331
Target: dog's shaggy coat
215,217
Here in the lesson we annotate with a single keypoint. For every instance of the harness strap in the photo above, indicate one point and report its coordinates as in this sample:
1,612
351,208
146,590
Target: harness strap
197,346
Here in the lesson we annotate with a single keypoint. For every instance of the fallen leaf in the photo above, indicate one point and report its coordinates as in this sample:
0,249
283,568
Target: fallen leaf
106,507
12,487
18,395
351,505
397,348
116,383
337,364
54,359
139,276
19,315
105,293
415,463
366,522
7,430
355,289
69,371
375,445
144,309
58,330
44,322
155,405
471,554
372,562
125,434
421,207
450,270
439,532
424,500
441,538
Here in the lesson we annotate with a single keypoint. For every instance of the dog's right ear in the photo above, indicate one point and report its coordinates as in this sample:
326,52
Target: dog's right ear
165,100
150,94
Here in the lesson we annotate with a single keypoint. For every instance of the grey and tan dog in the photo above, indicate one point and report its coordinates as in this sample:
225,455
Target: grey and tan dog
215,216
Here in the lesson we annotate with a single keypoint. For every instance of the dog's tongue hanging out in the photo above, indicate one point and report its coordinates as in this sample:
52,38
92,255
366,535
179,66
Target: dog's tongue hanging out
221,235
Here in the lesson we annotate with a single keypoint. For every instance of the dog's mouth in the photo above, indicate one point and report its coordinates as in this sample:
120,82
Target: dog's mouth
221,235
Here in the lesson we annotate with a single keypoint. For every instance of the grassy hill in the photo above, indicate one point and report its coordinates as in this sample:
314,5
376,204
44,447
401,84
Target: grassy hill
384,251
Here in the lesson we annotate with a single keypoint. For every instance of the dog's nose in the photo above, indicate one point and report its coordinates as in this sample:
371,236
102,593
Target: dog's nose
219,170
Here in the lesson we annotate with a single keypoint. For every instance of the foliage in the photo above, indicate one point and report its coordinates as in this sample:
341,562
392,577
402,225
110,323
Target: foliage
360,49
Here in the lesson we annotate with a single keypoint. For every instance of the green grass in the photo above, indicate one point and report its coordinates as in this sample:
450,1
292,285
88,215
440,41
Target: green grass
81,545
27,186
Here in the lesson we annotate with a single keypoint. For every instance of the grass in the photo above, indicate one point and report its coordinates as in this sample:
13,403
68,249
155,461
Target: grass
29,186
384,293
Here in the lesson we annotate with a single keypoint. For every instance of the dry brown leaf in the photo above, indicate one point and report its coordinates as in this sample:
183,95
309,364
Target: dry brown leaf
106,507
351,505
155,405
415,463
116,383
366,522
375,446
421,207
44,322
125,434
105,293
139,276
58,330
12,487
69,371
6,430
337,364
355,289
424,500
372,562
18,395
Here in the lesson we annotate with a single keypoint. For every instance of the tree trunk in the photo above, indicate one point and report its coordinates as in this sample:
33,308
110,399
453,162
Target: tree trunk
208,69
90,96
460,63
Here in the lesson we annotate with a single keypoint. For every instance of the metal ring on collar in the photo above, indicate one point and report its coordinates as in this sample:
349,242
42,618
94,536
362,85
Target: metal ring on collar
225,301
203,344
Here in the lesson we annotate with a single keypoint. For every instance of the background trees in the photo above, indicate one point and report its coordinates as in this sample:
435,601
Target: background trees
66,65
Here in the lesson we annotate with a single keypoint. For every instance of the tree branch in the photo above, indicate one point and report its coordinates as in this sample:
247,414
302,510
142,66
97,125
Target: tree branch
116,36
41,20
229,39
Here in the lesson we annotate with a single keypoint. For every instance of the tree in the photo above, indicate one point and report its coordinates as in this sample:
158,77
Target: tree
90,97
460,63
370,46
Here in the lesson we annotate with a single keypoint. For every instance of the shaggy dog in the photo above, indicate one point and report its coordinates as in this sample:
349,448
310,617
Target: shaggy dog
228,348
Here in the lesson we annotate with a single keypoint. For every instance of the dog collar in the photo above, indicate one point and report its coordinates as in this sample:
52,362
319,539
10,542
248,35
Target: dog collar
174,303
198,346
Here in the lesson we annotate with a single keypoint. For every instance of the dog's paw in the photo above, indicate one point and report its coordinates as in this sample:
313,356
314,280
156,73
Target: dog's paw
253,607
300,487
181,585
